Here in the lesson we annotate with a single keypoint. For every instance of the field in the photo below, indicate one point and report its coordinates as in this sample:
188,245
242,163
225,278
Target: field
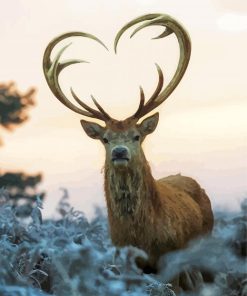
74,256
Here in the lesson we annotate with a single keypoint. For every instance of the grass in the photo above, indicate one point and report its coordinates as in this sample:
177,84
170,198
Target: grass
72,256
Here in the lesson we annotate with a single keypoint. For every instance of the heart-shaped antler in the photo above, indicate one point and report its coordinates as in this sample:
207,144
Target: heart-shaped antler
53,68
171,26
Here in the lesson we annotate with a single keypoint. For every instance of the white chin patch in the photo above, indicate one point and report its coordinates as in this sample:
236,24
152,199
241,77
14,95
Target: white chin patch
120,162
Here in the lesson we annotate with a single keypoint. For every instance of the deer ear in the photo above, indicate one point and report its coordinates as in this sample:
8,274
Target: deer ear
148,125
92,129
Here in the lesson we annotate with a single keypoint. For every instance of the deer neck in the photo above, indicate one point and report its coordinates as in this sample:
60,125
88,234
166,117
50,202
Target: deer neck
129,190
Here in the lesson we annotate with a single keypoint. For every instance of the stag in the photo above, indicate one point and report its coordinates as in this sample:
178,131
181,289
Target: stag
157,216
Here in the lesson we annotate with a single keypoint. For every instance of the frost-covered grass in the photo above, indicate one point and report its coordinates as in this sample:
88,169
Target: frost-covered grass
72,256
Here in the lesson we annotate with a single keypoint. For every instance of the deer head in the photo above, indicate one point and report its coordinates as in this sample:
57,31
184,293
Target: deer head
122,139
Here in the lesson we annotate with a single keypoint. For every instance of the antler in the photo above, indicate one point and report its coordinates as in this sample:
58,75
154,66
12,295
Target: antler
171,26
52,69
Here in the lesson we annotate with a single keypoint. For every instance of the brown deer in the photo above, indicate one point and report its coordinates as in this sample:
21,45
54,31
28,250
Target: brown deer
157,216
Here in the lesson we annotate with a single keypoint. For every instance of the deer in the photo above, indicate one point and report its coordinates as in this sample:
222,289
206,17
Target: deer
157,216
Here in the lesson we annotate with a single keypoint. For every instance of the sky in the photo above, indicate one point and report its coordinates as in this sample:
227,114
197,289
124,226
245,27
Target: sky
202,130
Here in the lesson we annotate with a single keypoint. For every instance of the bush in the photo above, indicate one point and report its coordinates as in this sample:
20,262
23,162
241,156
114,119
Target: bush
73,256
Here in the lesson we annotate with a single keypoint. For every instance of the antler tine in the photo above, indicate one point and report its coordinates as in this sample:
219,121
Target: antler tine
52,69
132,23
171,26
141,104
107,116
159,86
166,32
142,107
84,105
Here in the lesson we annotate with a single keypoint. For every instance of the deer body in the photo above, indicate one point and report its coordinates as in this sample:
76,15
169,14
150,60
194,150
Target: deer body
165,218
156,216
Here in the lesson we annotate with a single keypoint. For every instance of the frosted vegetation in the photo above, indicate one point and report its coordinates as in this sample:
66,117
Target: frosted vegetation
72,256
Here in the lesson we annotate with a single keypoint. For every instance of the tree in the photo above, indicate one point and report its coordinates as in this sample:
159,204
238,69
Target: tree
14,107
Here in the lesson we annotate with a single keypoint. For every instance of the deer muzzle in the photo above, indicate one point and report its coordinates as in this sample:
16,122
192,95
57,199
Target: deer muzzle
120,155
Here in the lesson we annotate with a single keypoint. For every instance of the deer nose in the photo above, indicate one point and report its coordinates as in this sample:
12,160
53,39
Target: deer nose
120,152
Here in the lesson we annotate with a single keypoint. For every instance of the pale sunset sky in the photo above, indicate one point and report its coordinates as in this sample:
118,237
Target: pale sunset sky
202,130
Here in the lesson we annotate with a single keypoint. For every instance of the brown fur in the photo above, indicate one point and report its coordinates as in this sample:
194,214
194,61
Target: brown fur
156,216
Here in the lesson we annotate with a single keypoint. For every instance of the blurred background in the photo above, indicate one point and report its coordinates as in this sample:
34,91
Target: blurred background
202,131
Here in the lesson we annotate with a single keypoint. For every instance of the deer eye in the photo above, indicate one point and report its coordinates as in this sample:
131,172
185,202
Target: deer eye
105,140
137,138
